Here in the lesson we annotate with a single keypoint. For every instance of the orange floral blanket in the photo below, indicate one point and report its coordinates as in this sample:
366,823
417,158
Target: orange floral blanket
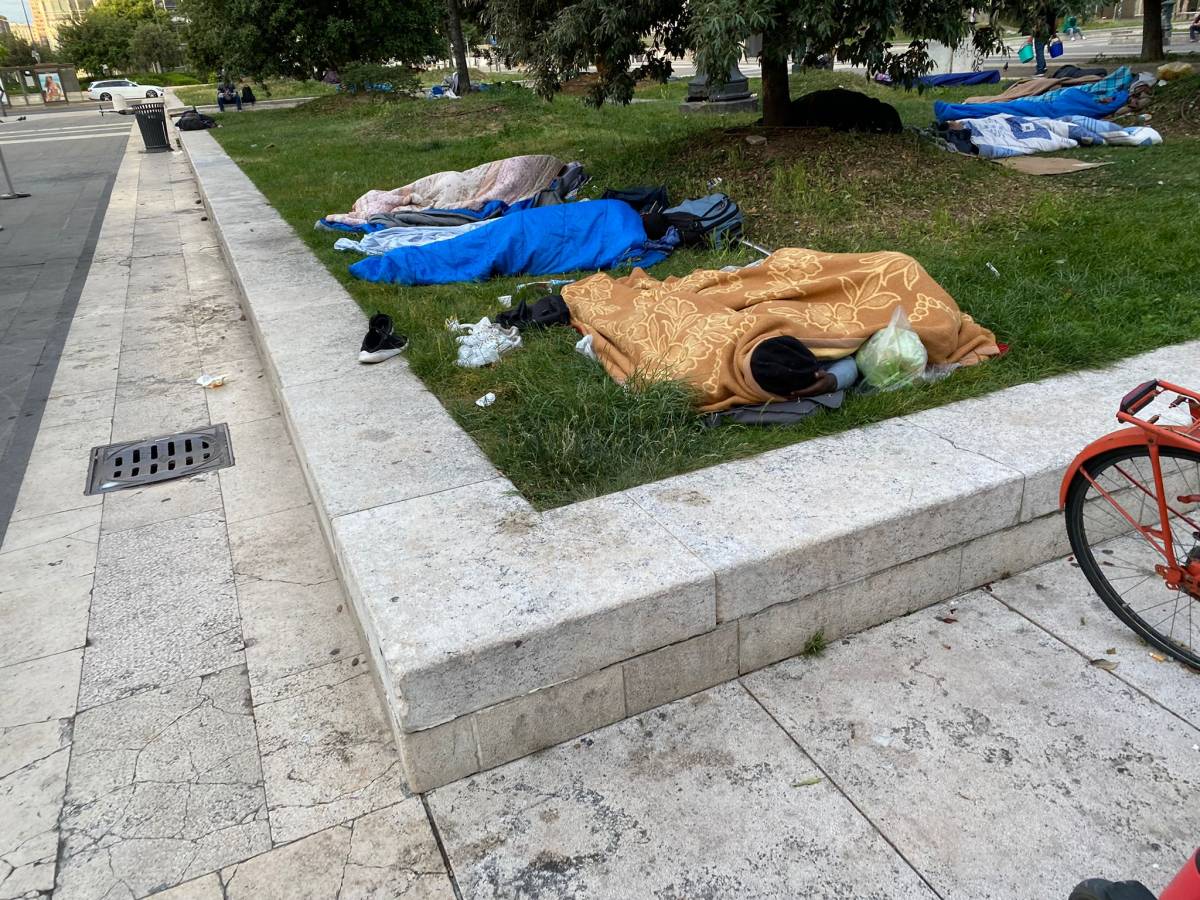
703,327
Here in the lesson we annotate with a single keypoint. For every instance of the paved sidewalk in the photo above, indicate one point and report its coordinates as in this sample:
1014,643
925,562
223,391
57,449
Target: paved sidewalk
186,708
182,685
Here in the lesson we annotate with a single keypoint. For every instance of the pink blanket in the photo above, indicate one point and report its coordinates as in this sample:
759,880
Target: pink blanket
509,180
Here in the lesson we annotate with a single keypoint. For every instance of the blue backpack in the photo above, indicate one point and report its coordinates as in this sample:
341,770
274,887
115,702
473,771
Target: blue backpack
715,219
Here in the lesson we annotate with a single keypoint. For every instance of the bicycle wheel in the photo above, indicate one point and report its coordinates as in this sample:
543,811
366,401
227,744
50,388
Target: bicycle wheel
1119,561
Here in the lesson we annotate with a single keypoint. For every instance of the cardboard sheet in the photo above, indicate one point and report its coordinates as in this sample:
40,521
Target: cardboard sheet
1047,165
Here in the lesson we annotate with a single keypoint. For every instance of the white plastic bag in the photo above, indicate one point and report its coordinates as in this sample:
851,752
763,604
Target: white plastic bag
893,357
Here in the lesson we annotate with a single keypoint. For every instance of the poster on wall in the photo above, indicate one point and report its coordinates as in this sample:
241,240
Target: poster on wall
52,89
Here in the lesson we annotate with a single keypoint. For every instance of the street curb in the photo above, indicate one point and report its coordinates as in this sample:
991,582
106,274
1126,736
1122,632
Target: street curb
497,630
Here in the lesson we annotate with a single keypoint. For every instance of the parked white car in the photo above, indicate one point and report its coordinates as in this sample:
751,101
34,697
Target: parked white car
130,90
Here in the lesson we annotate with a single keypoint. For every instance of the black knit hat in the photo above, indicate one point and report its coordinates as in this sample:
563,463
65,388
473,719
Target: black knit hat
783,365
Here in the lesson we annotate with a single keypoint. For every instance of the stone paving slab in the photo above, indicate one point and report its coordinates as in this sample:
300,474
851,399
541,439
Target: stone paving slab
386,854
163,786
1058,598
33,778
989,732
705,797
154,585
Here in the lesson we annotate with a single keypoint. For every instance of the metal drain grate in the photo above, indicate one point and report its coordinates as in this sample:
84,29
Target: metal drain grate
137,463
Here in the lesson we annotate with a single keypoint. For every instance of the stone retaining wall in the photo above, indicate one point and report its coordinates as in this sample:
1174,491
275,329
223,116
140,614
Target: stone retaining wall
496,630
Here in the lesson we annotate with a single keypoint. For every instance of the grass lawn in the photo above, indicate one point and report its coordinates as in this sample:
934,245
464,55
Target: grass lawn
1094,266
430,77
1104,24
273,89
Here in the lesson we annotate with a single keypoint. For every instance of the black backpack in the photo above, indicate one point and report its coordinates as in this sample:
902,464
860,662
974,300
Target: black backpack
642,199
194,120
713,219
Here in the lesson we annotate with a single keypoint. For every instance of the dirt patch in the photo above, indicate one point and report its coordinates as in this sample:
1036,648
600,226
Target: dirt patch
819,182
1175,108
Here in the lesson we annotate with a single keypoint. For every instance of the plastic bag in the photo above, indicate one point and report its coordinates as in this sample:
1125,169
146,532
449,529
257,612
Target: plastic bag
1172,70
893,357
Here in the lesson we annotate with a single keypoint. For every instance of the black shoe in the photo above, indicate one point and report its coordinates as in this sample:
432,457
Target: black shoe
380,343
380,322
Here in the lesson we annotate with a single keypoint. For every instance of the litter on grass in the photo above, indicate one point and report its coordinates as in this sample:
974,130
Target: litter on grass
483,342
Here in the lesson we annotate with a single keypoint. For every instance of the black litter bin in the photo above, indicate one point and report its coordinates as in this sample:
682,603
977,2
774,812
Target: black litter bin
152,121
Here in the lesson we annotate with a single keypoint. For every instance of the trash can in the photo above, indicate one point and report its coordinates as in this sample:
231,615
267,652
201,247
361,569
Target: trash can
152,121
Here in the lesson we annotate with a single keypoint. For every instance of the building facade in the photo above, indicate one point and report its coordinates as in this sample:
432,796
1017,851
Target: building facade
50,15
5,28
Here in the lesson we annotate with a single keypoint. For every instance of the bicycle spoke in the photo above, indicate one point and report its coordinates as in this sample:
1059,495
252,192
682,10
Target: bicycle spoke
1140,583
1174,599
1174,613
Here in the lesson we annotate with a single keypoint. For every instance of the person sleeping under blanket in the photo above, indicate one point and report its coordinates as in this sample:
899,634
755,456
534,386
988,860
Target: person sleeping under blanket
843,110
766,332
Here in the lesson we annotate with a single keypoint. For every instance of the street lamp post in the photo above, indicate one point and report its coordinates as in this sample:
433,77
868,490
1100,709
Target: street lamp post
12,193
28,22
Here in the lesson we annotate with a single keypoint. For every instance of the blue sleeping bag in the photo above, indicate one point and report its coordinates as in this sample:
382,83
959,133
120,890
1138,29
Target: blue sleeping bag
595,234
1071,102
984,76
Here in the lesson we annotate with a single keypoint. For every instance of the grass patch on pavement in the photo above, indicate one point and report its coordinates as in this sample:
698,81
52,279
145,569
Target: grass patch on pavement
1094,266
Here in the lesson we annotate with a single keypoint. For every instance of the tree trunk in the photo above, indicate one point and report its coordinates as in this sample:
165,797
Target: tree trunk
454,20
775,89
1152,36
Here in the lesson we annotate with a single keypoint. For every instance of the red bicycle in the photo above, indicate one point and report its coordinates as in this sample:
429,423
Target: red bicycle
1132,501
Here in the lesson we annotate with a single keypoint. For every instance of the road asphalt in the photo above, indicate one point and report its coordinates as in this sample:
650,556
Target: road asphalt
66,161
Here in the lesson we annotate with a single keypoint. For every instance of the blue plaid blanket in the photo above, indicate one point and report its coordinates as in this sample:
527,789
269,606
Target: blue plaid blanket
1118,81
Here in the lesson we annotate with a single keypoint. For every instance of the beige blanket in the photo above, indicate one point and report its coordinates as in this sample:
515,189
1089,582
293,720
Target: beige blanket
1032,87
702,328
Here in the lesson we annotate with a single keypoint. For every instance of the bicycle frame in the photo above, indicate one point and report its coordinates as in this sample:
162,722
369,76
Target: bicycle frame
1148,433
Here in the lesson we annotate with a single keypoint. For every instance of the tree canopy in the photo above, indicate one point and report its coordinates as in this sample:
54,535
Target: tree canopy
302,38
155,45
117,34
558,38
16,51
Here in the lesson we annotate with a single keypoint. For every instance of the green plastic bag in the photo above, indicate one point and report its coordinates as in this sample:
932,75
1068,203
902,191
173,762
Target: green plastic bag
893,357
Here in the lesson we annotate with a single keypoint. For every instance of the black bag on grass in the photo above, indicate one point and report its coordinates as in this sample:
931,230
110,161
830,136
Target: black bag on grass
194,120
643,199
713,219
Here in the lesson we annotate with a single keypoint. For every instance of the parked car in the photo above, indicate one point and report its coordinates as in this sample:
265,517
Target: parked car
130,90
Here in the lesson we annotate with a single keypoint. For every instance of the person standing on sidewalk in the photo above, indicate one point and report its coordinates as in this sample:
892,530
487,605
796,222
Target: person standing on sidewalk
1044,30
